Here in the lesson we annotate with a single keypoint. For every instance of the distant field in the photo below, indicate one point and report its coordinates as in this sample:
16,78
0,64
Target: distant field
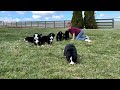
21,60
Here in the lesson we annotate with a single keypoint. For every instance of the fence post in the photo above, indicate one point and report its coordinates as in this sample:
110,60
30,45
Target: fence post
54,24
113,23
16,24
11,24
38,23
25,24
64,23
21,24
45,24
3,24
31,24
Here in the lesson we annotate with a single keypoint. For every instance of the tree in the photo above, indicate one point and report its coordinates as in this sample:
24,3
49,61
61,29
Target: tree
77,19
89,20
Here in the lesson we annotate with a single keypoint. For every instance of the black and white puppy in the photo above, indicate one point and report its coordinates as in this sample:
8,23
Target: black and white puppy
51,37
47,39
71,53
66,35
29,39
37,39
59,36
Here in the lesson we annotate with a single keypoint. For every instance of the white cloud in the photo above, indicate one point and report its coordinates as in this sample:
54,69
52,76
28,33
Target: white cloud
102,15
3,11
57,17
42,12
9,19
21,12
47,18
47,15
27,19
118,17
36,16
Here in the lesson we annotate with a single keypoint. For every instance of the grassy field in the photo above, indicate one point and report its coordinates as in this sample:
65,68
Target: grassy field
97,60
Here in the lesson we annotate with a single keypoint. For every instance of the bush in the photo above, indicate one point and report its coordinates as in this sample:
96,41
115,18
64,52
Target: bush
89,20
77,19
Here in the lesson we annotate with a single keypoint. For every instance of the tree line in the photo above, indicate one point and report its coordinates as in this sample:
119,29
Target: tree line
88,21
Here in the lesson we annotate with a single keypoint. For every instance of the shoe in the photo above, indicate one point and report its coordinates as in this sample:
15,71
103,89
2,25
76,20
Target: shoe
87,40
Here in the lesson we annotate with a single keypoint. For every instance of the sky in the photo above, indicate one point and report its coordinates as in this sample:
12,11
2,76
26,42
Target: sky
11,16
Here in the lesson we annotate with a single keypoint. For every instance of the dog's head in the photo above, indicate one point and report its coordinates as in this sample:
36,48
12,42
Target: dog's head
51,36
66,32
63,35
60,33
29,39
71,59
36,36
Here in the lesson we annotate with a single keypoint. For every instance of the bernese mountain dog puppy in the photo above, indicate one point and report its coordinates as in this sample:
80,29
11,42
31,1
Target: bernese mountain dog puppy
70,53
51,35
66,35
37,39
59,36
29,39
47,39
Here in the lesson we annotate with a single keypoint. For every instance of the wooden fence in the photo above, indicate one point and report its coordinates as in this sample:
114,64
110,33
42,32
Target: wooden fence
101,23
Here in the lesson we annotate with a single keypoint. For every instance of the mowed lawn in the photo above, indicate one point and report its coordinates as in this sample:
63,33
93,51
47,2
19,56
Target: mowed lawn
97,60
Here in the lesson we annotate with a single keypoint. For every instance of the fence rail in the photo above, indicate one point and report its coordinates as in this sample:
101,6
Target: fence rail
101,23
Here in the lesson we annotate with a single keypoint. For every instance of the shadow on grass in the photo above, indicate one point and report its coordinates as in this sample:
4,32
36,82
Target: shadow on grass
80,59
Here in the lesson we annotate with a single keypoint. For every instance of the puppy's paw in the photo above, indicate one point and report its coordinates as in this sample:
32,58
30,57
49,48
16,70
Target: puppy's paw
42,45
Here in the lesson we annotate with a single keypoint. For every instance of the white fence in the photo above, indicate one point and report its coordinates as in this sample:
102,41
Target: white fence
101,23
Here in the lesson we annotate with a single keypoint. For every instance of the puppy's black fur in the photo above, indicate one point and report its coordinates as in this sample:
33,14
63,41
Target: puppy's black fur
47,39
29,39
70,51
66,35
59,36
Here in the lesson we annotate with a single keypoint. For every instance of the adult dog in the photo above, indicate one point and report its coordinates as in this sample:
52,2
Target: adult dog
71,53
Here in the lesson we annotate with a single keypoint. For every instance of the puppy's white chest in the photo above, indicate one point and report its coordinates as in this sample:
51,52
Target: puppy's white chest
36,41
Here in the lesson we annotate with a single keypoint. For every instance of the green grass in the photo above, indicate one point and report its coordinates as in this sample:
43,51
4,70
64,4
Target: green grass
97,60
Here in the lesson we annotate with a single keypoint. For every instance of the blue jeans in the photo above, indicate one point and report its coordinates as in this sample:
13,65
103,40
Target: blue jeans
81,36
